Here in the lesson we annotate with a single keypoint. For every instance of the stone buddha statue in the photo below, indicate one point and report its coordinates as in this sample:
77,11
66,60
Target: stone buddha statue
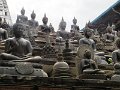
62,32
87,65
109,36
116,53
87,40
116,76
75,30
18,48
44,28
22,18
51,28
33,23
75,27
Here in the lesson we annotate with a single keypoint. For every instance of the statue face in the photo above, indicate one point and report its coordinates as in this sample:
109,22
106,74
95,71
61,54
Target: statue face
19,31
63,26
23,12
74,21
88,33
33,16
45,21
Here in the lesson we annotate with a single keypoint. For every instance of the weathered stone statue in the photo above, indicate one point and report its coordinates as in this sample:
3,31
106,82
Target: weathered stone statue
22,18
17,48
61,32
109,36
75,27
51,28
33,23
116,76
87,40
116,53
87,65
44,28
75,34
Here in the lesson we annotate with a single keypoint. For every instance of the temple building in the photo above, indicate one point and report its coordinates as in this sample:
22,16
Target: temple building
4,12
110,16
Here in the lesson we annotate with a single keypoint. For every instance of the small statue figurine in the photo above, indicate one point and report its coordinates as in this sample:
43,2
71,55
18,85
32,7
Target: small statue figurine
33,23
61,32
87,40
116,53
22,18
75,31
51,28
109,36
87,65
74,27
44,28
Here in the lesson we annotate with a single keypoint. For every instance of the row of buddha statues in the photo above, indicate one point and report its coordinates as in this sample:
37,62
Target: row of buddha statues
45,28
86,57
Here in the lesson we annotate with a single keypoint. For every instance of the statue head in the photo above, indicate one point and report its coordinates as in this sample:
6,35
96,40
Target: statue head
45,19
87,32
118,43
23,11
62,24
18,30
33,15
74,21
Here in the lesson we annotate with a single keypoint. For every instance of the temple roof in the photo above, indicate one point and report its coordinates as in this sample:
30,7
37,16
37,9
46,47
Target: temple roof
108,16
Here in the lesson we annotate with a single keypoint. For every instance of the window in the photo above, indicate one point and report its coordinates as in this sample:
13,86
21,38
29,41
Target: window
5,13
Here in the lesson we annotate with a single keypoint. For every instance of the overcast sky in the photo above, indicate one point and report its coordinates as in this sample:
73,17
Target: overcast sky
83,10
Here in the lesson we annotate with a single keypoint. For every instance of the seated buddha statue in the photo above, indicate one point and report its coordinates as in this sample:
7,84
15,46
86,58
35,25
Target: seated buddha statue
18,48
75,27
116,75
33,23
51,28
89,66
116,53
109,36
22,18
44,28
87,40
62,32
75,30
